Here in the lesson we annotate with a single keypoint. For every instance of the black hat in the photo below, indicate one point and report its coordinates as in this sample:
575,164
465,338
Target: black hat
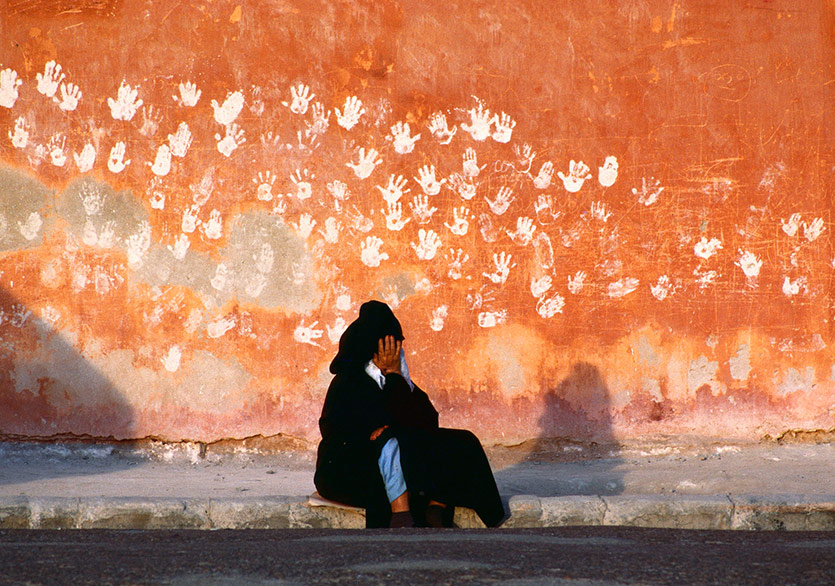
358,343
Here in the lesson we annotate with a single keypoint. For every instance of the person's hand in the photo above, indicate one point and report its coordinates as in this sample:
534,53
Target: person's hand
387,358
376,433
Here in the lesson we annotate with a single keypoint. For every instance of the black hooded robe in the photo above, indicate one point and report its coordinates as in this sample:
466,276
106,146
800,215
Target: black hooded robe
446,465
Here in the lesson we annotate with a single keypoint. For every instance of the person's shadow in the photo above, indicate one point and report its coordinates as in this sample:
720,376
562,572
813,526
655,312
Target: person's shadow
55,406
576,452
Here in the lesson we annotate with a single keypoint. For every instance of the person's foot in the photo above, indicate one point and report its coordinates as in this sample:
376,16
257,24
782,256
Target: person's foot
401,520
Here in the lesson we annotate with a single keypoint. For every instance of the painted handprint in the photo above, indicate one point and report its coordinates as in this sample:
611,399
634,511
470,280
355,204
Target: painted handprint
749,263
233,138
504,127
427,181
366,164
470,163
221,277
622,287
548,307
576,282
608,173
525,155
57,150
219,326
502,263
264,183
439,314
213,229
301,98
488,231
370,254
428,244
350,114
466,188
20,136
92,199
301,179
662,288
85,160
162,163
117,163
358,221
460,221
540,286
190,221
50,79
480,122
813,230
394,190
544,208
577,174
332,230
180,141
151,118
189,95
524,231
321,120
792,288
70,95
30,228
791,226
227,113
181,244
401,138
394,216
439,129
457,258
138,245
421,209
649,191
491,319
599,212
335,332
504,197
126,104
543,178
9,84
339,191
304,227
706,248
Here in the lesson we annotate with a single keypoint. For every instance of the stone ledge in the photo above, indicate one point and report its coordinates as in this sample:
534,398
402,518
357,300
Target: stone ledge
784,512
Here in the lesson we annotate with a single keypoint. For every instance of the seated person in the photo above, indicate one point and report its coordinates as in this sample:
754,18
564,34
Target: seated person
381,446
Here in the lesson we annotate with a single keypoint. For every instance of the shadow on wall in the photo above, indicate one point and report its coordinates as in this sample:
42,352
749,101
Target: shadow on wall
49,392
576,452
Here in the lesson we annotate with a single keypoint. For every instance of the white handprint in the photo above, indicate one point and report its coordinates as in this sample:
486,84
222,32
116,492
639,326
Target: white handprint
599,212
480,121
439,314
360,222
577,174
791,226
189,95
813,230
30,228
151,117
20,137
162,163
622,287
503,266
662,288
439,129
264,259
540,286
307,334
321,120
351,112
790,288
181,244
49,80
116,162
89,236
460,221
421,210
70,95
92,199
401,140
543,207
220,278
219,326
608,173
550,306
157,197
524,231
576,283
649,192
485,225
233,138
526,155
332,230
504,128
264,181
543,178
57,152
138,245
457,258
504,198
394,216
302,182
394,190
339,191
180,141
491,319
190,221
9,83
107,235
427,181
464,187
366,164
335,332
749,263
213,229
370,252
706,248
86,159
305,225
126,104
301,99
470,163
428,244
227,113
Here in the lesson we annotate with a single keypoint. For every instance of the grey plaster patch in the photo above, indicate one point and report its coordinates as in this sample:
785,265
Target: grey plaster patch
702,372
740,363
794,381
23,216
646,354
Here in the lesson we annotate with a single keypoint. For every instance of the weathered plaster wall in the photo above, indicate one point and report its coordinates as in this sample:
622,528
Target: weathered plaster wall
594,219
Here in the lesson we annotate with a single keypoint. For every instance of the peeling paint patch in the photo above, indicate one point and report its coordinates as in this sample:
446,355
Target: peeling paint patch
22,200
795,381
740,363
646,354
702,372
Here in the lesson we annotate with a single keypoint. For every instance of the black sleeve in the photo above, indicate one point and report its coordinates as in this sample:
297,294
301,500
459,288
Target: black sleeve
352,409
409,408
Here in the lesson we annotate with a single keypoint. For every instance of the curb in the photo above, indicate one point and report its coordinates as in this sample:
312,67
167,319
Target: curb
739,512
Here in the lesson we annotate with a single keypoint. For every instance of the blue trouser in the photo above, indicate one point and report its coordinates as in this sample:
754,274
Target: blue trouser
389,463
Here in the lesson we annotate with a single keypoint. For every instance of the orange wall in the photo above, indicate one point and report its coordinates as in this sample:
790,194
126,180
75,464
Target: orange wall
592,221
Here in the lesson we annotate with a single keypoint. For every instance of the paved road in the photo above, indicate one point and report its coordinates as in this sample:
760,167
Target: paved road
566,556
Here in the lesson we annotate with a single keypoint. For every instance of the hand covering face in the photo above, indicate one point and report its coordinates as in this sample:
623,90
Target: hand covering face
359,341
